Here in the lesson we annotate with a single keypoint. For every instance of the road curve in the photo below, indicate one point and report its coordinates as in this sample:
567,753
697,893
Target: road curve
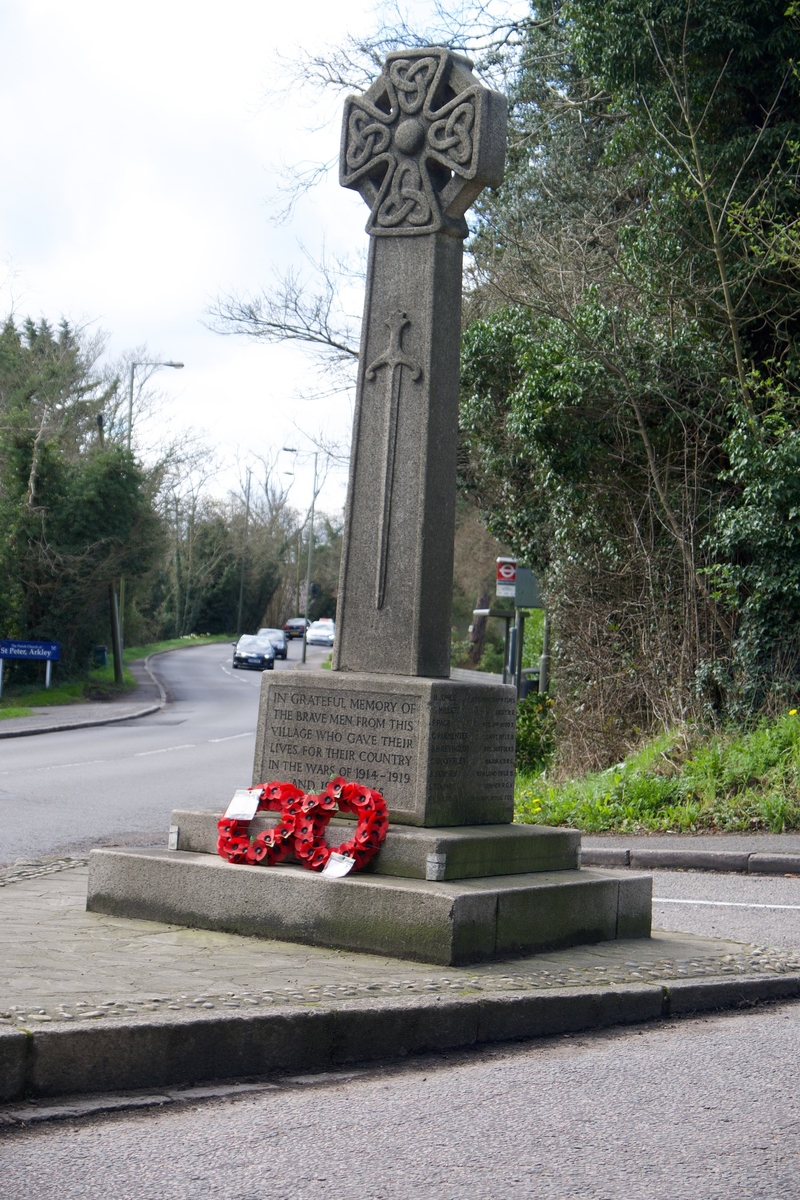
117,784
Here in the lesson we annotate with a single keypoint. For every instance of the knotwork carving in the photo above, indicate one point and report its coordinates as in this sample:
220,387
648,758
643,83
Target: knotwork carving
454,133
411,81
422,143
367,138
406,201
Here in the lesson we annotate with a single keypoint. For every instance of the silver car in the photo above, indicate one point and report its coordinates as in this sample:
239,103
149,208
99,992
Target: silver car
321,633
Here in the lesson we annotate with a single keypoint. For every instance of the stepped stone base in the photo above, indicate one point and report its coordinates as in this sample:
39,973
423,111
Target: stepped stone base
469,921
462,852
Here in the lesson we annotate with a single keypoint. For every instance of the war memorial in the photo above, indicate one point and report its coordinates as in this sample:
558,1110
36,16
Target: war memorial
455,881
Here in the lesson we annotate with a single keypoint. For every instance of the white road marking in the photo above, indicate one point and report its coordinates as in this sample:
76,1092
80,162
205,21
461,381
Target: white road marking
239,678
232,736
725,903
59,766
166,749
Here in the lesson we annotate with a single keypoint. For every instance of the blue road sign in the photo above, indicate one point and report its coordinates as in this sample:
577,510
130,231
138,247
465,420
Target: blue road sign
33,651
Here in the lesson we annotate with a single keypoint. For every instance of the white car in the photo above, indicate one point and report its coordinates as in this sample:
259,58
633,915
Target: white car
321,633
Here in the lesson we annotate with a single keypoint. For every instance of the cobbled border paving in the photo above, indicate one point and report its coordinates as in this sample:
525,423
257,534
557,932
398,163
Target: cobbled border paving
29,868
750,960
753,961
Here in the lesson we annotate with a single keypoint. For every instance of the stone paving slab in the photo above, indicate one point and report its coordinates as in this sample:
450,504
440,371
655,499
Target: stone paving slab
96,1004
59,963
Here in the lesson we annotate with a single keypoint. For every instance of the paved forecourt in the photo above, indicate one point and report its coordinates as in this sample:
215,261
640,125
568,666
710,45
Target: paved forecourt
94,1003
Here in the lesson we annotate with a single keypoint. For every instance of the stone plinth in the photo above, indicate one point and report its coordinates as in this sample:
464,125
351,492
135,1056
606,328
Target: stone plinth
440,751
464,922
466,852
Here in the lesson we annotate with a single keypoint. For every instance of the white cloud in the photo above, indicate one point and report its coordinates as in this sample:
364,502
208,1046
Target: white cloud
137,169
140,145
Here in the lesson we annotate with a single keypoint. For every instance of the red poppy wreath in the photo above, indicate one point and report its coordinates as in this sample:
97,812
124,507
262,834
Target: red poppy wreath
303,821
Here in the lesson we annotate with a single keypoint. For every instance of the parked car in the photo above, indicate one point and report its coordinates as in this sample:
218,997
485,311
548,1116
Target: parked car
295,625
321,633
254,653
278,639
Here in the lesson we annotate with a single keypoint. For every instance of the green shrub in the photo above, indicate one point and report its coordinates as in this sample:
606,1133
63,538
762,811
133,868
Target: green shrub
535,729
734,781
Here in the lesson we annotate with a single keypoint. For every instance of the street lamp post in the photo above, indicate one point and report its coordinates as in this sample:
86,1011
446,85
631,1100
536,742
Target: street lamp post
118,611
244,552
291,450
178,367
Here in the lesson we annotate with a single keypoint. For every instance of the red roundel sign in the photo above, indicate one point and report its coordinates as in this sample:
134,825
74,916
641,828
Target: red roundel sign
506,577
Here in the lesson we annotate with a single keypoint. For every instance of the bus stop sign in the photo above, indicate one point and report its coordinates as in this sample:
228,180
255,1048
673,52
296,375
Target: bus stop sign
506,577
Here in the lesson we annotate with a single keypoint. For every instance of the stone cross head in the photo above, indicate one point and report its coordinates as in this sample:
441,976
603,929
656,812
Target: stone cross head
422,143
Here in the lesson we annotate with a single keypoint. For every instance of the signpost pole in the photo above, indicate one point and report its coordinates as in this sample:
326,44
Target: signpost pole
544,661
310,559
519,645
47,670
115,646
505,586
1,678
121,617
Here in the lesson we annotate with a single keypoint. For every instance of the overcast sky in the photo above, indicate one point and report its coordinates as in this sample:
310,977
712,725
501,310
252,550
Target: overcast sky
140,148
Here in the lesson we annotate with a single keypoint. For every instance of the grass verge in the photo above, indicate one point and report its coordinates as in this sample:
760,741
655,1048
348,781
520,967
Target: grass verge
98,685
681,782
14,710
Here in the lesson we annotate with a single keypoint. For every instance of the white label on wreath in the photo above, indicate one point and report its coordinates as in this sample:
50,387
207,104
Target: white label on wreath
244,805
338,865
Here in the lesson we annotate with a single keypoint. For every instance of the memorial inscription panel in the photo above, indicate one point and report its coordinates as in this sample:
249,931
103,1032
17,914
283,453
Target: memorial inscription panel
313,734
463,748
440,752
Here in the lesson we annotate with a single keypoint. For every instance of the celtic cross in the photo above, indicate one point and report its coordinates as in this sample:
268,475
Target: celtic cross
422,143
419,146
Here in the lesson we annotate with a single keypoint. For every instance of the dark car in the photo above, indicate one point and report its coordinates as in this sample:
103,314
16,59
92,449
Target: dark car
295,625
254,653
278,639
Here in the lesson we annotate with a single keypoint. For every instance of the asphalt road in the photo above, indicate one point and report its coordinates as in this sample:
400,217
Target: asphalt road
671,1111
762,909
705,1107
117,784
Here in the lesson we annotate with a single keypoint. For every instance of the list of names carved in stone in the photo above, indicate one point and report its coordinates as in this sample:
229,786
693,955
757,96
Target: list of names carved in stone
475,742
